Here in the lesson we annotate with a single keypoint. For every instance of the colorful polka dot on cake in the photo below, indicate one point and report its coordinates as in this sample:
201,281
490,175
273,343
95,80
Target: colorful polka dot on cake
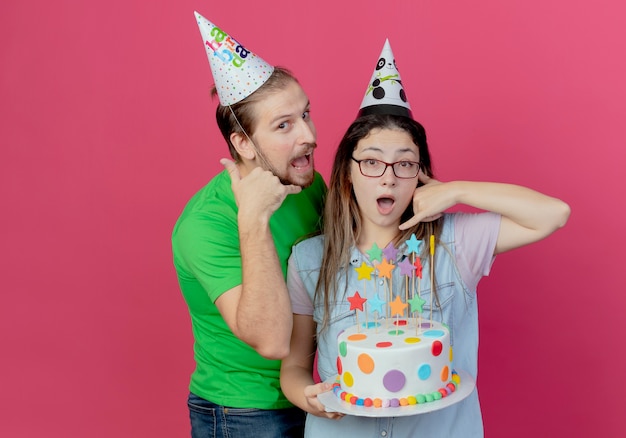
444,374
437,347
343,349
366,363
394,380
423,372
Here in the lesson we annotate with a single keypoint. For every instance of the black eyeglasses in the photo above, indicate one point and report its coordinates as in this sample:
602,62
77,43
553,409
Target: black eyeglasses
376,168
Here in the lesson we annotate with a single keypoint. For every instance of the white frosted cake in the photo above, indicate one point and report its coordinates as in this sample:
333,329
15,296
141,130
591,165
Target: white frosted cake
395,362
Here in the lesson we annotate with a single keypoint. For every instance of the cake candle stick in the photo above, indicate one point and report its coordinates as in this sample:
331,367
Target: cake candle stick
419,295
418,316
375,304
385,292
380,309
375,254
406,291
432,270
389,296
364,272
376,322
390,253
366,326
356,303
365,311
378,291
417,320
412,294
418,274
397,309
413,280
384,271
388,299
416,306
390,285
398,315
413,249
406,271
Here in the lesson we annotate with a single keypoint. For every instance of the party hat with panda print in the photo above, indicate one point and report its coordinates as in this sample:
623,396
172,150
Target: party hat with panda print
385,93
237,71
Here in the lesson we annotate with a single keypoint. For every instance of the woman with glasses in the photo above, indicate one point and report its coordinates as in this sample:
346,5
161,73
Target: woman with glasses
373,201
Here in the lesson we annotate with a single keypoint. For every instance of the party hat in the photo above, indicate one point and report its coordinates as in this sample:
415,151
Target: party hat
385,93
237,71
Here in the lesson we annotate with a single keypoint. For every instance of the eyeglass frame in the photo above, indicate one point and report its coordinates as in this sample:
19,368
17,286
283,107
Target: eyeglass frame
393,169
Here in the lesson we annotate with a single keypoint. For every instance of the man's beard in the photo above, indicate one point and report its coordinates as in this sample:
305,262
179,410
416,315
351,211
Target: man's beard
283,178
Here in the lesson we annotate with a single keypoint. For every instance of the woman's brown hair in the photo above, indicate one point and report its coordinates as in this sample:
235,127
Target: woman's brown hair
342,218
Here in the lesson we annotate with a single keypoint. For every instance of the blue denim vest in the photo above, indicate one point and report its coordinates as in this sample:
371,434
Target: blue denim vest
457,308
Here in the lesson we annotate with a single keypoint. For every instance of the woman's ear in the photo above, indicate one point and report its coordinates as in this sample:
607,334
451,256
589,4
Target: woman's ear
243,145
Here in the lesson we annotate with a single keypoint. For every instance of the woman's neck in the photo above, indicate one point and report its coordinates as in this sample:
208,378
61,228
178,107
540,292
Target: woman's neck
381,236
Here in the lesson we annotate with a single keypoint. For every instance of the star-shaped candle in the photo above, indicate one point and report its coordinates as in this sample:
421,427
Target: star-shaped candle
406,267
375,253
397,306
364,272
356,302
418,267
375,304
417,304
384,269
390,252
413,245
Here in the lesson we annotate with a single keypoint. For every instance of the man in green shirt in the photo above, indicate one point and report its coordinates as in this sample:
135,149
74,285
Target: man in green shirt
232,241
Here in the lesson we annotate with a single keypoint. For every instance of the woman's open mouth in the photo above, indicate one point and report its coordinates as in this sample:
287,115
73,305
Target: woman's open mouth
385,204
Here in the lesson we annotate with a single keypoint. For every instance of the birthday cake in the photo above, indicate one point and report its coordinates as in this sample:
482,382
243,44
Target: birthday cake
402,362
399,358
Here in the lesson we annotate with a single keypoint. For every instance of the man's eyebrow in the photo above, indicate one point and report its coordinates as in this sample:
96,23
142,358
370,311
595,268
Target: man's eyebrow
287,115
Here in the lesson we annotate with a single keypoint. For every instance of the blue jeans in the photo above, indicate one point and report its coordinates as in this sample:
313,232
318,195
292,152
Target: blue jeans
209,420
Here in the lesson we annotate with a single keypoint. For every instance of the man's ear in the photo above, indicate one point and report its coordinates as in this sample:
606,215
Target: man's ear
243,145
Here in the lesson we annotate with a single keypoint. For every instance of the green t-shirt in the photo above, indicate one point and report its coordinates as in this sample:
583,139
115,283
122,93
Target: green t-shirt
205,244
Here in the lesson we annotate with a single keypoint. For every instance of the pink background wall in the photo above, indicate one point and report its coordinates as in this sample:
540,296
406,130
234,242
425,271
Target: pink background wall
107,128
